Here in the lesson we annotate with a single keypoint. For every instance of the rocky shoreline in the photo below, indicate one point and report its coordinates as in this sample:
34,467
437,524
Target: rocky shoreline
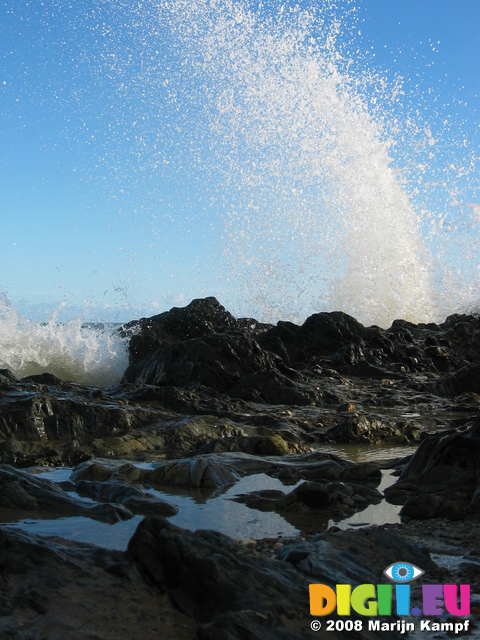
207,400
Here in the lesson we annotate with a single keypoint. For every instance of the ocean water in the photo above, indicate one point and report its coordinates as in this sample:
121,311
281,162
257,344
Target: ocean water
332,183
218,512
75,351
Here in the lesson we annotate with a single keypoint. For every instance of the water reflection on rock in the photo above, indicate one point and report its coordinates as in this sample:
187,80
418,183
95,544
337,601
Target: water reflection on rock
281,440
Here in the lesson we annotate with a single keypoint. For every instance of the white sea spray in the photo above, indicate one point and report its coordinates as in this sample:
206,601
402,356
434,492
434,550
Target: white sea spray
336,184
92,354
265,143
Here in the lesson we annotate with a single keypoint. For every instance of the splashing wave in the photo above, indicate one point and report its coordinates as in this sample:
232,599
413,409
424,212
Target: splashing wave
84,353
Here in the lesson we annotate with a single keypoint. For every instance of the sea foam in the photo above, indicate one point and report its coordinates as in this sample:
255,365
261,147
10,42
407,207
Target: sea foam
92,354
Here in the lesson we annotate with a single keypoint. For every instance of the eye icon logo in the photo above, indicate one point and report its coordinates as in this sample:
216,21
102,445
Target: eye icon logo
403,572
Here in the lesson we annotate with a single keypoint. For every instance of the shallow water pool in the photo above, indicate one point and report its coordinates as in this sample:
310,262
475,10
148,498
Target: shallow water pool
216,511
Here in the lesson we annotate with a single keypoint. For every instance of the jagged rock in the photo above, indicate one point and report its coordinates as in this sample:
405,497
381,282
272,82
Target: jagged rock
359,428
72,590
201,361
442,478
337,499
200,318
231,364
207,575
209,399
198,473
131,497
466,379
21,490
235,594
44,408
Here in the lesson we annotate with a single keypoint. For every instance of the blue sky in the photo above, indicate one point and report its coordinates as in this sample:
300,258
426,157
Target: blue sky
104,198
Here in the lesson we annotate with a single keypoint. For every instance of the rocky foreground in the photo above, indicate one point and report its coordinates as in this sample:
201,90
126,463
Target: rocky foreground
209,399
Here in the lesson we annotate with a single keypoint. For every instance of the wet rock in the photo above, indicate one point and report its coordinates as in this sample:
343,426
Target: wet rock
235,593
362,471
273,445
200,318
208,575
339,341
200,472
333,499
6,379
231,364
21,490
340,499
180,585
331,487
315,467
363,429
102,470
133,498
311,496
199,361
262,500
466,379
55,590
171,437
441,479
322,334
209,399
197,473
43,408
422,506
354,557
193,434
347,406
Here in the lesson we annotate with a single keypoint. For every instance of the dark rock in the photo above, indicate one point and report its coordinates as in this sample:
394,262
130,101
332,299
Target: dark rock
21,490
207,576
230,364
201,361
363,429
334,499
262,500
131,497
198,473
311,496
362,471
273,445
422,506
200,318
466,379
317,468
235,594
337,337
97,470
55,590
354,557
32,411
208,399
201,473
442,478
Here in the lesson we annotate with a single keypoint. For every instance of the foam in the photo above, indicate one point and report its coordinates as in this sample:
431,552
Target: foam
88,354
